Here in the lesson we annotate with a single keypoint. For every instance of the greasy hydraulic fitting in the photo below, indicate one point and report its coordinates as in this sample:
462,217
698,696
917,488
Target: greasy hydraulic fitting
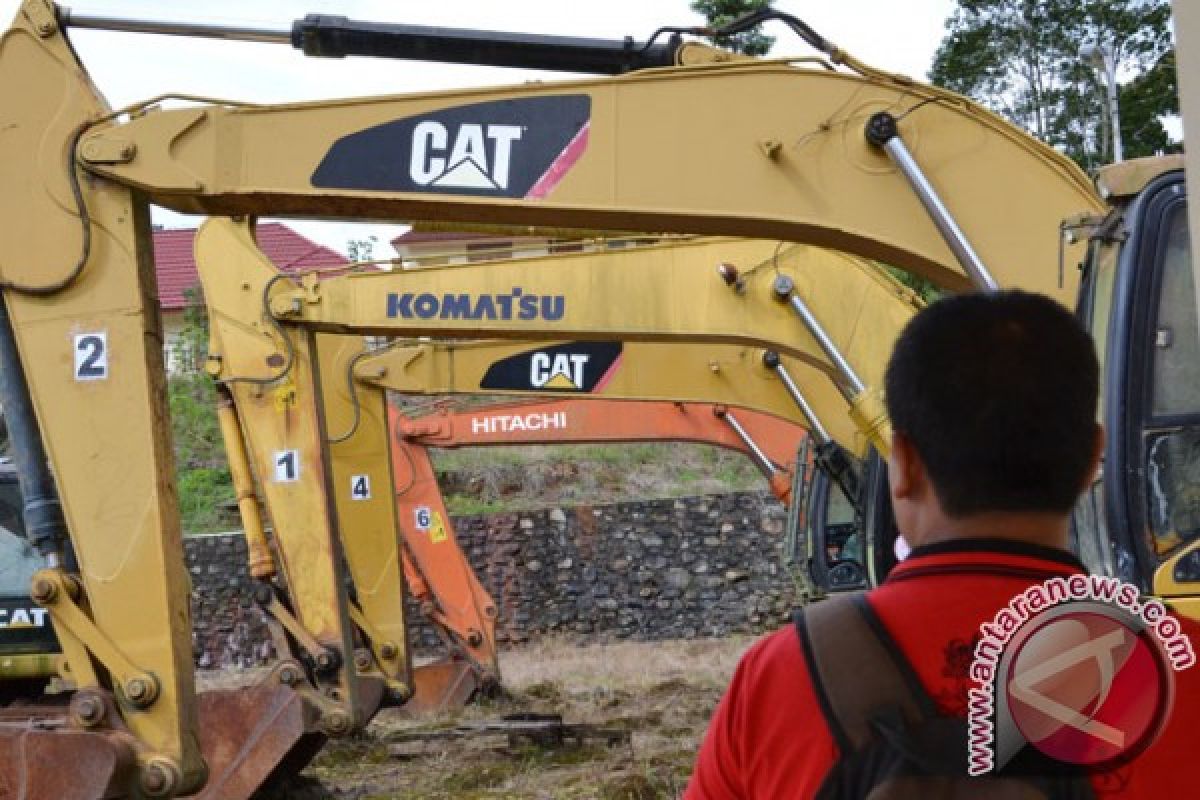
729,274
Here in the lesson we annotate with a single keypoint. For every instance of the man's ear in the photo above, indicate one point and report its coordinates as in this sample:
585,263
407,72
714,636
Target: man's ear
903,464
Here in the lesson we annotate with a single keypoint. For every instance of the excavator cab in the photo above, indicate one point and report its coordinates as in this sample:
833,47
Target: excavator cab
1138,299
853,540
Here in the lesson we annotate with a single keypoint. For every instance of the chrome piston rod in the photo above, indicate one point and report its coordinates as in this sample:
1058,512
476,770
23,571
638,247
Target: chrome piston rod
883,132
768,466
70,19
785,291
772,362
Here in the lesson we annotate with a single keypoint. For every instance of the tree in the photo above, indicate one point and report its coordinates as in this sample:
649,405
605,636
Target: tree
1022,59
361,249
721,12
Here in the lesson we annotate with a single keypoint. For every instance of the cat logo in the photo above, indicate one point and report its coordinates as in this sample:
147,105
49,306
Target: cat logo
568,367
558,371
467,166
520,147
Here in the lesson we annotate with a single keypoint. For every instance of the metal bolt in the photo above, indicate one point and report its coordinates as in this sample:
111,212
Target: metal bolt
140,691
160,778
126,152
337,723
770,359
45,29
474,638
783,288
388,650
326,660
288,674
87,708
728,273
43,591
401,693
770,147
362,660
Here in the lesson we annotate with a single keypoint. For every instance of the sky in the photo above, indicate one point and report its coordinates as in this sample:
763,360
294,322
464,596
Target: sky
900,36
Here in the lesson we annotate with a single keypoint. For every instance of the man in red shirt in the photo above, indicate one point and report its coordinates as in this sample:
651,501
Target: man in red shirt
993,401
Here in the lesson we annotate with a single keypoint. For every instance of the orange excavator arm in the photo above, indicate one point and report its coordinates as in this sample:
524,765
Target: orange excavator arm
439,575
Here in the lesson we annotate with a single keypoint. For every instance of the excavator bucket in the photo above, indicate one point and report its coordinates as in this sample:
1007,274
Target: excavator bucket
442,686
251,736
41,757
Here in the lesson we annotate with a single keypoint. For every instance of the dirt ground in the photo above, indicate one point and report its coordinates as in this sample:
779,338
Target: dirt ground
663,692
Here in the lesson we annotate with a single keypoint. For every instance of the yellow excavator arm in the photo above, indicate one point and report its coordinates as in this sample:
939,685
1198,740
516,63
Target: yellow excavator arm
765,149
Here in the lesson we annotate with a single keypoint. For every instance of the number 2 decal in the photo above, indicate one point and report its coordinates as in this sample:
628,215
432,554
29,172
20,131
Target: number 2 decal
91,356
360,487
287,466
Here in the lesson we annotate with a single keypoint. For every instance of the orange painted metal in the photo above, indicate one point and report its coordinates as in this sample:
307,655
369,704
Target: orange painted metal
438,573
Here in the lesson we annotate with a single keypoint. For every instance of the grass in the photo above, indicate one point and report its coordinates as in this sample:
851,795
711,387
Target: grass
503,479
664,692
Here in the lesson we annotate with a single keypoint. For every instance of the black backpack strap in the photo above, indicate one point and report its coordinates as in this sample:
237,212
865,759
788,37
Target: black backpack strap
857,670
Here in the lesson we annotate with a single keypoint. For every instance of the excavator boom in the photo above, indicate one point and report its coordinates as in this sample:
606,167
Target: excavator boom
849,158
437,572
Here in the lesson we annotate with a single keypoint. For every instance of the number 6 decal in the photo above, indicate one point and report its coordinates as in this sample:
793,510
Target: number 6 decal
91,356
287,466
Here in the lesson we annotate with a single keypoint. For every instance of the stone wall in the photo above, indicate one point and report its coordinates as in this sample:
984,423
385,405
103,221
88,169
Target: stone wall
701,566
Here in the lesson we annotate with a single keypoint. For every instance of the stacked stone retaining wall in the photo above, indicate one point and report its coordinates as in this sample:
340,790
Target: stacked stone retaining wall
659,569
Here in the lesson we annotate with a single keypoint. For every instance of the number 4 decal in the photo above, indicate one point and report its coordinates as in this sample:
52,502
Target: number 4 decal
360,487
287,466
91,356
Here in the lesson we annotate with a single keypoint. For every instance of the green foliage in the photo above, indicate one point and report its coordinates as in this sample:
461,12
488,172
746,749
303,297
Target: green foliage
721,12
201,471
1023,59
924,289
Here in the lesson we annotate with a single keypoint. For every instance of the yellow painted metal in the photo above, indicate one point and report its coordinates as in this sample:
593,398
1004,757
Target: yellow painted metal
361,475
258,549
1182,595
677,150
28,665
107,438
655,293
714,372
285,443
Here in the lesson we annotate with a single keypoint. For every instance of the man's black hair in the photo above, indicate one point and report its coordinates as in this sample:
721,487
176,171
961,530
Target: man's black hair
997,393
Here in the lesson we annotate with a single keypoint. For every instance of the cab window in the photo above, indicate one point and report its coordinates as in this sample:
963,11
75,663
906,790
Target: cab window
1172,443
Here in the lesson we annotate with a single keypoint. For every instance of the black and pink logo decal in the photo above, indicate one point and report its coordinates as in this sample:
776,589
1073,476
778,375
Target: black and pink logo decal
505,148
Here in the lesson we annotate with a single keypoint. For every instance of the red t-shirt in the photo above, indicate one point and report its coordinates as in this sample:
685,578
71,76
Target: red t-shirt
768,738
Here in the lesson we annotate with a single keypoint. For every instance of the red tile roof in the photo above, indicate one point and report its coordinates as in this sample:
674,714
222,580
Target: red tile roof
176,266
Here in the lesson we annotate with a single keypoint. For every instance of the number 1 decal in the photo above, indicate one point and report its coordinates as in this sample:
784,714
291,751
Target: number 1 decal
360,487
91,356
287,466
